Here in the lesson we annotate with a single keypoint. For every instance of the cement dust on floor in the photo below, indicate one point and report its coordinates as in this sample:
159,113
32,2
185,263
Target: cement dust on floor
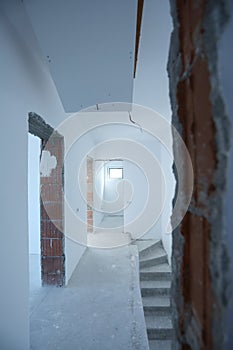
112,221
109,233
100,309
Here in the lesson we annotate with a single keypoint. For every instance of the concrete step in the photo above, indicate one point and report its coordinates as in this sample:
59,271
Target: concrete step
156,272
156,248
155,287
157,268
157,305
155,283
146,246
160,344
155,257
155,260
159,327
160,334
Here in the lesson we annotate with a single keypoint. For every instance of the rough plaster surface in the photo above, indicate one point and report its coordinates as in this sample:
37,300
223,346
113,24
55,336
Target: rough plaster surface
47,163
210,176
174,69
226,78
216,18
38,127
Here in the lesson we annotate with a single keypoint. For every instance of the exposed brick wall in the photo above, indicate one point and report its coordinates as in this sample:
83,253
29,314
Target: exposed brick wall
198,113
89,194
52,217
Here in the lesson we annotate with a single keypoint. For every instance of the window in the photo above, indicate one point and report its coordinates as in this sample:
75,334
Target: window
115,173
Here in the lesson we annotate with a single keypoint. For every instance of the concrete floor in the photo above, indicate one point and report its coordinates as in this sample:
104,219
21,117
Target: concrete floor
113,221
100,309
109,234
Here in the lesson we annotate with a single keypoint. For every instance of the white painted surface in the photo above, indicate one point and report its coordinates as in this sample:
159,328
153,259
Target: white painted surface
157,180
167,161
137,179
47,163
115,137
25,86
73,252
140,189
34,193
151,85
113,199
134,148
75,201
90,48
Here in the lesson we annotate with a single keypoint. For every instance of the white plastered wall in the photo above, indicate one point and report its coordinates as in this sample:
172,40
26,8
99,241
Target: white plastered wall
151,86
75,200
25,86
140,154
34,193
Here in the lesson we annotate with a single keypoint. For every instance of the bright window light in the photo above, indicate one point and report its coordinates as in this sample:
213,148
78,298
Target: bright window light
115,173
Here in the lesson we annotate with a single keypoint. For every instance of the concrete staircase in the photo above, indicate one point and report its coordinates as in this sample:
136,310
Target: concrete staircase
155,281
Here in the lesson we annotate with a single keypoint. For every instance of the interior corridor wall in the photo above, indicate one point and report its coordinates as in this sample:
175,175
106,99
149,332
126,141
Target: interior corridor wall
151,84
34,193
76,201
140,191
140,154
25,86
138,182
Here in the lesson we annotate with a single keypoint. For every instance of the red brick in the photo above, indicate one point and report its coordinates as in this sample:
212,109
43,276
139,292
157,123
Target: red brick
51,229
51,247
89,214
53,279
54,210
51,192
52,265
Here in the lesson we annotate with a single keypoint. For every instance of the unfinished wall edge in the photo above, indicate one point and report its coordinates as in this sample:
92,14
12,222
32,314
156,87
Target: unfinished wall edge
207,29
217,15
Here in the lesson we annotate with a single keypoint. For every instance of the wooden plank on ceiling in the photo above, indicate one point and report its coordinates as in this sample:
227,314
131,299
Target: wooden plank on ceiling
138,33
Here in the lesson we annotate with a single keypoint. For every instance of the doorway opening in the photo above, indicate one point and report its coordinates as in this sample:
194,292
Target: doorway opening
105,202
113,195
46,202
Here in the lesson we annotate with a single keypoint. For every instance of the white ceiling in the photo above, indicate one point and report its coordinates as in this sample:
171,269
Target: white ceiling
89,46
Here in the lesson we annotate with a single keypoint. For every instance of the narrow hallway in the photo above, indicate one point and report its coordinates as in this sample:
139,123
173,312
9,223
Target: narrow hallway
131,106
100,308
